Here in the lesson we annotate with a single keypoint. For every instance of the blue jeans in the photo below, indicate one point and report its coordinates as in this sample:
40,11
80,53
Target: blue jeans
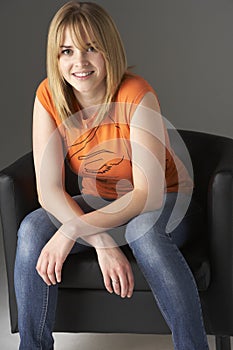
158,256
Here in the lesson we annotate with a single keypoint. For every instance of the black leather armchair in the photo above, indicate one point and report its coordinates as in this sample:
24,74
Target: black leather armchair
84,305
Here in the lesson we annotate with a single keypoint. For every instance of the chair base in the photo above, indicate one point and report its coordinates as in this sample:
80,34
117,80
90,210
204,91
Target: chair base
223,342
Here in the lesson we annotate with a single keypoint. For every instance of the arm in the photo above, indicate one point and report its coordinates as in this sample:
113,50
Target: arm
148,159
148,166
49,167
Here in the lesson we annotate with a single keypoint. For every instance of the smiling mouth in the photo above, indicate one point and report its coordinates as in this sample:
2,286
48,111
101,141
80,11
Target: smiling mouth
83,74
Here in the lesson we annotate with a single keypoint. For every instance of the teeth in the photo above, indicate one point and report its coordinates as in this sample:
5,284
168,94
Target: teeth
84,74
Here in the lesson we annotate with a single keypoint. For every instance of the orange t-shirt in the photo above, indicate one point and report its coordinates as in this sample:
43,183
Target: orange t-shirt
101,155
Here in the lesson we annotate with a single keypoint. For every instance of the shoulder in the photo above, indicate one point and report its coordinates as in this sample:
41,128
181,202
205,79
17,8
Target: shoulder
44,95
43,91
133,88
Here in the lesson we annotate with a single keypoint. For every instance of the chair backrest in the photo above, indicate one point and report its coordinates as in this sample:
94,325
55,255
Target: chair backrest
207,152
204,150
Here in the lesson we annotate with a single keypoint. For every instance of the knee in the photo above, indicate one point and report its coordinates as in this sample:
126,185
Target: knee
145,236
32,234
141,225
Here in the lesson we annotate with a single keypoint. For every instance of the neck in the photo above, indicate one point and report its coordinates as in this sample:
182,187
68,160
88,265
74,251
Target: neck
87,100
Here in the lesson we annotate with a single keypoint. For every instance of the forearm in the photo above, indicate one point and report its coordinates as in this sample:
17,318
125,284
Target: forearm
113,215
65,209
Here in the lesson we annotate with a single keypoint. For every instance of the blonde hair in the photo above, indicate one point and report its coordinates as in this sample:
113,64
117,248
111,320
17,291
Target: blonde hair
100,30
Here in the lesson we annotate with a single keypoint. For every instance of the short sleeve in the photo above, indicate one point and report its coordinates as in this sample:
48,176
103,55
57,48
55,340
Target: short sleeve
44,95
132,91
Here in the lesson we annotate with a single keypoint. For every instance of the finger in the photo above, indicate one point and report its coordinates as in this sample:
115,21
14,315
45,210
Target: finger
41,268
51,272
58,269
130,278
116,285
107,283
123,285
38,265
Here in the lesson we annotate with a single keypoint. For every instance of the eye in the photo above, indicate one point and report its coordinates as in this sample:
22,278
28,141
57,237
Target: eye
66,52
91,49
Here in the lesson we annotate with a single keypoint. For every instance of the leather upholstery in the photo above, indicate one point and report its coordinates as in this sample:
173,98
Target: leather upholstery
83,304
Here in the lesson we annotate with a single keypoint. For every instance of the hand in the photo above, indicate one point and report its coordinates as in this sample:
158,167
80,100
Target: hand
116,270
52,257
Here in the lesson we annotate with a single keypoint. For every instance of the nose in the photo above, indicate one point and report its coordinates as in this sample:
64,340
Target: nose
81,58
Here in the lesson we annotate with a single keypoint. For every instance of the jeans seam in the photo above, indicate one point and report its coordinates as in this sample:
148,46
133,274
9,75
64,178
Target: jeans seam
43,315
196,292
162,307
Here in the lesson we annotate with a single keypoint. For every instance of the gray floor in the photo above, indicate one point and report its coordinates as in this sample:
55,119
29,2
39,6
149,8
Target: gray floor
79,341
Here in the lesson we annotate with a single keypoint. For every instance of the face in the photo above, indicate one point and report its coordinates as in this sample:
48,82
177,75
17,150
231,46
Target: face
84,70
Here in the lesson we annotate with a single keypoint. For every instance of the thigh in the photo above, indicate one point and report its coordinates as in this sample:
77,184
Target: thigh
184,221
39,226
34,232
177,219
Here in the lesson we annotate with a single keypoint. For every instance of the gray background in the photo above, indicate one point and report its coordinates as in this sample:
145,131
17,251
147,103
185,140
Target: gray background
184,48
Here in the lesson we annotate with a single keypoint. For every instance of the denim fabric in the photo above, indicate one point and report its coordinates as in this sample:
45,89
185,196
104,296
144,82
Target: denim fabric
166,271
36,301
158,256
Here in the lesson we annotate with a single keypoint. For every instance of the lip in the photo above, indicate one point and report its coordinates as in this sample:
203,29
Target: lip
83,74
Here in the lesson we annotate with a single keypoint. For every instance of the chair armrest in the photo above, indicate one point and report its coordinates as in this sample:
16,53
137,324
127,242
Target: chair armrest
17,198
220,238
18,194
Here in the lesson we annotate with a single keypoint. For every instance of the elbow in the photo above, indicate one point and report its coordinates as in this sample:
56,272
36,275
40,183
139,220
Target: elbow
45,201
39,197
48,196
42,203
154,203
150,201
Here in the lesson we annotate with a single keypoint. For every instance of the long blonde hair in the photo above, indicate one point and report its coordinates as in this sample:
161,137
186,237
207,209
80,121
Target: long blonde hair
101,32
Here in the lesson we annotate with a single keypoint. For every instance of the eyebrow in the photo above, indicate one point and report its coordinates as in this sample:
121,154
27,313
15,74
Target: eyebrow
69,46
